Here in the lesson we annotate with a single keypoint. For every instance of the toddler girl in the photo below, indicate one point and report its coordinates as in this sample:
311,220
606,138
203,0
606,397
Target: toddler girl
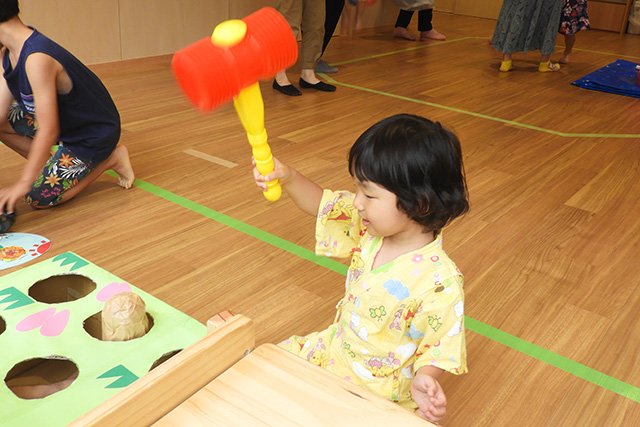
400,324
574,19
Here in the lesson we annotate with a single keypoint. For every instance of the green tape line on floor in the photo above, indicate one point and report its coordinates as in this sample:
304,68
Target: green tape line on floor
532,350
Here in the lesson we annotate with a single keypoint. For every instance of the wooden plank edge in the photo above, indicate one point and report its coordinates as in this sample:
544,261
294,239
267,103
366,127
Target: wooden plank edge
161,390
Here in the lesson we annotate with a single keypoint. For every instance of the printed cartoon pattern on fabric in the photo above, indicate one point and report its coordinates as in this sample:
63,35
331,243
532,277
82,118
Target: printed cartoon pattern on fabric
337,230
62,171
392,320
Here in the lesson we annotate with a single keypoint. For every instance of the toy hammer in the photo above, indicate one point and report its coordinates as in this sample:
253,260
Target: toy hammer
229,65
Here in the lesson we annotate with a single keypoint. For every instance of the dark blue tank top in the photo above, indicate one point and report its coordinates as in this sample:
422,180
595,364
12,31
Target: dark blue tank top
89,120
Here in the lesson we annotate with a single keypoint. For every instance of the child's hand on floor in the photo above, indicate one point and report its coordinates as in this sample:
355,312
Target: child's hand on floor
9,196
280,172
429,396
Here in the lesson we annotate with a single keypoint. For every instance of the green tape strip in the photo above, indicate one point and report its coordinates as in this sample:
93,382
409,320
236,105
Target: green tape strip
278,242
546,356
532,350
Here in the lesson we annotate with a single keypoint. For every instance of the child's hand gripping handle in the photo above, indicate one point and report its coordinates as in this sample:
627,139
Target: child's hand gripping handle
228,65
250,109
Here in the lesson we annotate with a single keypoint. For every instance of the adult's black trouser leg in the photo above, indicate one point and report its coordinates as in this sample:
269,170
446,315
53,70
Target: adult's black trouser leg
334,10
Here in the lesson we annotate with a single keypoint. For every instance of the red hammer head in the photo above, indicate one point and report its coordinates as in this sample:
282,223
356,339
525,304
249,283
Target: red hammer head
212,75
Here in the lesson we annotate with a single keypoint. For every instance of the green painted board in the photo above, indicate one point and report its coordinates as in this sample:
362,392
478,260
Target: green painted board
35,329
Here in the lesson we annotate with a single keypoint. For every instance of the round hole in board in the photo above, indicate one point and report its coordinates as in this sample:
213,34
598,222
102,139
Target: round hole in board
40,377
61,288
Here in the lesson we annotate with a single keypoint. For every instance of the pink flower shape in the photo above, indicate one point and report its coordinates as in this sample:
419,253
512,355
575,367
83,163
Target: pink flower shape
50,323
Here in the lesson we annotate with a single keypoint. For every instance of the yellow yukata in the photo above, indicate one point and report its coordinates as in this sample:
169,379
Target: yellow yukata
392,320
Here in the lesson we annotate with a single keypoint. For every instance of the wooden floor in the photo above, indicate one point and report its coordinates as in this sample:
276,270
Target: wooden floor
550,249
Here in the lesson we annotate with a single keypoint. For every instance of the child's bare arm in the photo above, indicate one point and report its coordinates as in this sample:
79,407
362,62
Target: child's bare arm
5,101
305,193
42,71
428,394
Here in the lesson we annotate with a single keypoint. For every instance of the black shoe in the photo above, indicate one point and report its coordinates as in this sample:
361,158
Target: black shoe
321,86
290,90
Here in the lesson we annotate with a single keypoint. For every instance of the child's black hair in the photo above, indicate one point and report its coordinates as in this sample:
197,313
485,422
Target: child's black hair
8,9
417,160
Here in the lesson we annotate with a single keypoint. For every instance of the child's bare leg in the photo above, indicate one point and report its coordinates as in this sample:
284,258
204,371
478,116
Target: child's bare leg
569,42
18,143
119,161
360,5
345,27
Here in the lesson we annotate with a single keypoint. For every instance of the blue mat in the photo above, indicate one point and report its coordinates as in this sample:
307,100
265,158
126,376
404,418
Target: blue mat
619,77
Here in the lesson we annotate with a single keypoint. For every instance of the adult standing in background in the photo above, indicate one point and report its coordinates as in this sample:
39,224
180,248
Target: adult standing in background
333,12
306,17
525,25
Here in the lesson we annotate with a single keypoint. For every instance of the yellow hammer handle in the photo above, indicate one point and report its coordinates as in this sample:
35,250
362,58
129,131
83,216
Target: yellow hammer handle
250,109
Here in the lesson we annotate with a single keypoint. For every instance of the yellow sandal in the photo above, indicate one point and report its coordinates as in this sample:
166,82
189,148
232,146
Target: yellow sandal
546,67
506,65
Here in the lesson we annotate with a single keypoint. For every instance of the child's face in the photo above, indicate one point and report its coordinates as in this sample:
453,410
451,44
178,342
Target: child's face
378,208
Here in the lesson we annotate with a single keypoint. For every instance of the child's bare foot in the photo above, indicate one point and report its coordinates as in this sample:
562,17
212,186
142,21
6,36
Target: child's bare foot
564,59
432,34
122,166
403,33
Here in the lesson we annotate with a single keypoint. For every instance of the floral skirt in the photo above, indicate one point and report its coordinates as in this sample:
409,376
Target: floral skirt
62,171
574,17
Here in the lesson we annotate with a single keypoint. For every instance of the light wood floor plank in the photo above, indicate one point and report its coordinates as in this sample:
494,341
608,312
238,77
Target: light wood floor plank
549,250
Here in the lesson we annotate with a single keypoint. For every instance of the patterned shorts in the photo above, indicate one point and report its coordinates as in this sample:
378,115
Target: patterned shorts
62,171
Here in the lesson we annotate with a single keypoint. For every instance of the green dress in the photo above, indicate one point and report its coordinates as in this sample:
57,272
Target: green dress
525,25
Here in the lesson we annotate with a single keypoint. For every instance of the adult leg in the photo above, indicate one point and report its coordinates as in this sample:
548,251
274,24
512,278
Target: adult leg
312,35
507,63
426,27
333,11
292,12
402,22
546,65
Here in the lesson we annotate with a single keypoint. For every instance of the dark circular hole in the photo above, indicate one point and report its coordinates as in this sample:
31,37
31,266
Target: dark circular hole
41,377
62,288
